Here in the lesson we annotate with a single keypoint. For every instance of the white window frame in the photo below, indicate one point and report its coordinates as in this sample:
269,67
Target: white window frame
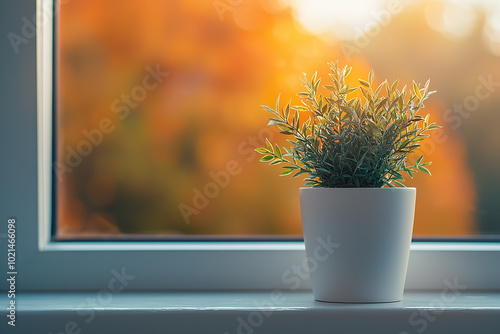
198,265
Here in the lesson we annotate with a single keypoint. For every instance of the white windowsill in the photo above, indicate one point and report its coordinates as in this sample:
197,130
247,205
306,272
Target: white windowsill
219,312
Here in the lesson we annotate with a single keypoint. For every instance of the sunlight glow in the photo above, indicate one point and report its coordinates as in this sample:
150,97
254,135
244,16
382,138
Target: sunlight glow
492,31
345,19
454,20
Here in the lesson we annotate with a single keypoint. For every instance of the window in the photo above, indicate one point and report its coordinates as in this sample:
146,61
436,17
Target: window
157,110
49,264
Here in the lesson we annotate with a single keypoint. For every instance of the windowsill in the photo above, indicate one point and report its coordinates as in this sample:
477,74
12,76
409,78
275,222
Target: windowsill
222,312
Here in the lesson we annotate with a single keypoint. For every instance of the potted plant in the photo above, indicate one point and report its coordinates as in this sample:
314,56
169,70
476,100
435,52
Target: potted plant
353,152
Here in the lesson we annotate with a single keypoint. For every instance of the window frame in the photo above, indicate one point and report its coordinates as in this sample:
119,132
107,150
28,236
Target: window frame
197,265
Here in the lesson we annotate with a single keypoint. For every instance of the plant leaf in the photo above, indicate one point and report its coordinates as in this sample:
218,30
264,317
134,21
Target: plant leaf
287,172
423,169
261,150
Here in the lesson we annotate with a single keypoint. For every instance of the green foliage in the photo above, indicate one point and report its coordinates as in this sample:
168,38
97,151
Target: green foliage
351,142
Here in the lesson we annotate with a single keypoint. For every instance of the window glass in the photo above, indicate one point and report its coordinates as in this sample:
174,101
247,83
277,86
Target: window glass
158,109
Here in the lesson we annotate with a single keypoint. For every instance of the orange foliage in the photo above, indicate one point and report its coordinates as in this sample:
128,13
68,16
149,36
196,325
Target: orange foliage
203,115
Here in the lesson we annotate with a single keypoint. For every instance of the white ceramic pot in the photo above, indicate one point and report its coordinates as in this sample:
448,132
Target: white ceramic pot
357,242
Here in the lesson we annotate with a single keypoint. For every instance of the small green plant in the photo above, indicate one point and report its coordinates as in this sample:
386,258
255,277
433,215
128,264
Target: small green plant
351,142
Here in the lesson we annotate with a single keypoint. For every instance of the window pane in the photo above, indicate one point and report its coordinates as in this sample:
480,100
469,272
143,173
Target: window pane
158,109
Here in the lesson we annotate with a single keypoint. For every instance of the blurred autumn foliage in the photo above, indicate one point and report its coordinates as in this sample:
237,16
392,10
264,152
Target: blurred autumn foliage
177,158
